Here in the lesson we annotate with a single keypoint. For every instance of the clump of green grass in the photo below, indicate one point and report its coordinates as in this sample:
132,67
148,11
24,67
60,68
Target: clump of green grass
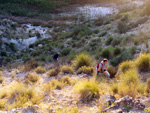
115,88
129,83
86,70
67,69
109,40
148,86
141,88
122,26
145,9
47,87
1,77
40,70
126,65
53,72
87,89
32,78
82,60
21,94
2,104
107,52
56,84
112,70
67,80
143,63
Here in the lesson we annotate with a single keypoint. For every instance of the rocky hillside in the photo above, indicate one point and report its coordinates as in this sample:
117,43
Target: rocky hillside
119,32
75,88
84,33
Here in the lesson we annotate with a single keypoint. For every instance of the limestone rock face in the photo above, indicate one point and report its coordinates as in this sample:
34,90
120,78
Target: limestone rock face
126,104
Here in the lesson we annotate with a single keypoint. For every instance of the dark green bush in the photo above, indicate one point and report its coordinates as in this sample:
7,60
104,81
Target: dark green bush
65,51
107,52
116,51
115,42
103,33
125,55
133,49
3,53
109,40
122,26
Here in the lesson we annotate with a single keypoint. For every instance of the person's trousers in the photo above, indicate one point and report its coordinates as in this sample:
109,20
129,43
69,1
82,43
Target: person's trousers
106,73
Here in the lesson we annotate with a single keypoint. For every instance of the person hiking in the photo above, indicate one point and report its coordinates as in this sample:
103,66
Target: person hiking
102,68
55,57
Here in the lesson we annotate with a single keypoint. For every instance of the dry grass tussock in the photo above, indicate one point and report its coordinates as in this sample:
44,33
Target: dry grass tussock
148,86
54,84
1,77
32,78
19,95
66,69
113,71
87,89
82,60
53,72
87,70
129,83
126,65
40,70
143,63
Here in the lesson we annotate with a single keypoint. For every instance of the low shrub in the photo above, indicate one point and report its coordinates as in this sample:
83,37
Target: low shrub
99,22
53,72
109,40
1,77
122,26
56,84
107,52
40,70
117,51
67,69
129,83
126,65
115,42
143,63
2,104
32,78
115,88
141,88
87,89
112,70
148,86
86,70
47,87
103,33
67,80
21,94
139,21
82,60
65,51
145,10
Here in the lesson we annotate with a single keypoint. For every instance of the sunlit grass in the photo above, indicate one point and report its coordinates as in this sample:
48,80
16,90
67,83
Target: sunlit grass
40,70
143,63
32,78
20,95
66,69
86,69
82,60
126,65
87,89
129,83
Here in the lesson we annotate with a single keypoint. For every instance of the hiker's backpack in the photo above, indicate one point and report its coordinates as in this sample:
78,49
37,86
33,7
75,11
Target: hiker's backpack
99,64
